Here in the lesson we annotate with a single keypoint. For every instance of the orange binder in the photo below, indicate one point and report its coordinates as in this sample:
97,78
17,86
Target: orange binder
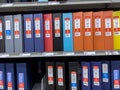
98,31
78,31
108,28
88,31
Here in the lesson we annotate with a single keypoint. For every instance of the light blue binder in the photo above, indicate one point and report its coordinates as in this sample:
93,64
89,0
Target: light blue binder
67,32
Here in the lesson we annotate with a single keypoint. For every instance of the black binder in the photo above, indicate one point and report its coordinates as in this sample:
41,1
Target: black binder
73,76
57,32
60,76
2,35
50,76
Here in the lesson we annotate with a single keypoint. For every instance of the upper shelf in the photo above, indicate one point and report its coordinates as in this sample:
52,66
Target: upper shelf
50,6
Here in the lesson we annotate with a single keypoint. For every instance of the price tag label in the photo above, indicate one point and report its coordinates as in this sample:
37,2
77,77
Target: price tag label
89,53
25,54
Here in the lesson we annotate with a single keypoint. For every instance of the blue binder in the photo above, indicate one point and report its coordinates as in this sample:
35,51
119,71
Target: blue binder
23,77
2,77
86,76
67,32
106,75
28,33
115,74
96,75
38,31
10,77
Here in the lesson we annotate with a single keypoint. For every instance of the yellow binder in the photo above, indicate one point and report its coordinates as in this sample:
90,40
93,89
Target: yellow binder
116,29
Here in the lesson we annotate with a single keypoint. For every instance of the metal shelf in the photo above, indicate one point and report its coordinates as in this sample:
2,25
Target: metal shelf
59,54
50,6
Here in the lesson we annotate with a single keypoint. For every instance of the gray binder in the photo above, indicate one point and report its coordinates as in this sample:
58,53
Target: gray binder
18,33
9,42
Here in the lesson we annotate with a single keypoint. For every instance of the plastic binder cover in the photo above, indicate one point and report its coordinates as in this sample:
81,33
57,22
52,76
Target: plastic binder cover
88,31
38,31
108,28
67,32
116,29
99,31
57,32
28,33
10,76
2,77
48,36
96,75
18,33
78,31
86,76
73,76
60,76
9,41
2,35
115,74
106,80
50,70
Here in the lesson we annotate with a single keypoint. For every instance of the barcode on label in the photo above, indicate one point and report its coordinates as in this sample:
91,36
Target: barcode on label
37,27
1,34
28,28
85,75
77,33
98,33
16,29
96,76
108,34
9,88
87,33
21,89
50,75
60,75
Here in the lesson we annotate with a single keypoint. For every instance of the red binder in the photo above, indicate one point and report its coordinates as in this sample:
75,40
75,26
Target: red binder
48,37
98,31
108,28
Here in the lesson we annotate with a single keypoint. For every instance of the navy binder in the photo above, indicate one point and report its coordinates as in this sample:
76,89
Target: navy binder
86,76
96,75
115,74
106,75
2,77
10,76
28,33
23,77
38,32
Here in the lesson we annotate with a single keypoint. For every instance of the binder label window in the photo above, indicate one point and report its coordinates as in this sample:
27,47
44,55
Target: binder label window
98,26
28,28
60,75
116,25
37,27
9,81
8,29
87,26
47,28
73,80
108,27
67,27
96,78
21,81
77,27
57,27
116,79
105,72
17,28
50,75
1,29
1,80
85,75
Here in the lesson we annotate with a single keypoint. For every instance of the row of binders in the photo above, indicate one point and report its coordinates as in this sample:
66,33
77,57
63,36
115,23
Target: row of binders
101,75
68,32
15,77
